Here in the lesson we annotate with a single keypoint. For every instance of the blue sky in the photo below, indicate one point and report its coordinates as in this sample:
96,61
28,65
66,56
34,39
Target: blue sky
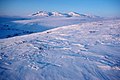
25,7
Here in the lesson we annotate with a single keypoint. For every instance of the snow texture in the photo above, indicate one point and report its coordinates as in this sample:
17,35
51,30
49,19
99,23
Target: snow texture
87,51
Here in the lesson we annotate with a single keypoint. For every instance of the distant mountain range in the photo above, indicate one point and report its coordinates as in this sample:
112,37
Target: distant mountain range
70,14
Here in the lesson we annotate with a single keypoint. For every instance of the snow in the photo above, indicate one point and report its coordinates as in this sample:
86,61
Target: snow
73,14
47,14
55,13
85,51
41,13
32,24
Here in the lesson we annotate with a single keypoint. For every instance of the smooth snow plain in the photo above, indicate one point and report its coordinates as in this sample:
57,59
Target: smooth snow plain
87,51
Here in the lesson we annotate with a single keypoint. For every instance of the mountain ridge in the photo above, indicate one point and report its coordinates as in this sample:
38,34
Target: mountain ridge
55,13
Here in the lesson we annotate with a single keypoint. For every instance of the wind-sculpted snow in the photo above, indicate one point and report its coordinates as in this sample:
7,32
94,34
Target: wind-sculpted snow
88,51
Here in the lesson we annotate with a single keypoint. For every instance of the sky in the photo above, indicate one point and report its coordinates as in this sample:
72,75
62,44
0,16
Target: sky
26,7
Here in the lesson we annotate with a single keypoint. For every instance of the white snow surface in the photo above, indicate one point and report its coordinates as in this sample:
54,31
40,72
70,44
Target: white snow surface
87,51
39,24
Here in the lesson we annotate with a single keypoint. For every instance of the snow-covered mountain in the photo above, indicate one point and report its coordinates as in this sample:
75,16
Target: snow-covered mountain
85,51
73,14
57,14
44,13
41,13
69,14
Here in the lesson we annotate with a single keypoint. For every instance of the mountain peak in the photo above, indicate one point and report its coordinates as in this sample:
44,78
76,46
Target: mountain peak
55,13
41,13
73,14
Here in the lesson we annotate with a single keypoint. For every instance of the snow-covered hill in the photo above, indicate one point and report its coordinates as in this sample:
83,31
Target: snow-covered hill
21,26
87,51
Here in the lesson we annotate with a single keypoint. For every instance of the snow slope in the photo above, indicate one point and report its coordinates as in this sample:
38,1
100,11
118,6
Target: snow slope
30,25
87,51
